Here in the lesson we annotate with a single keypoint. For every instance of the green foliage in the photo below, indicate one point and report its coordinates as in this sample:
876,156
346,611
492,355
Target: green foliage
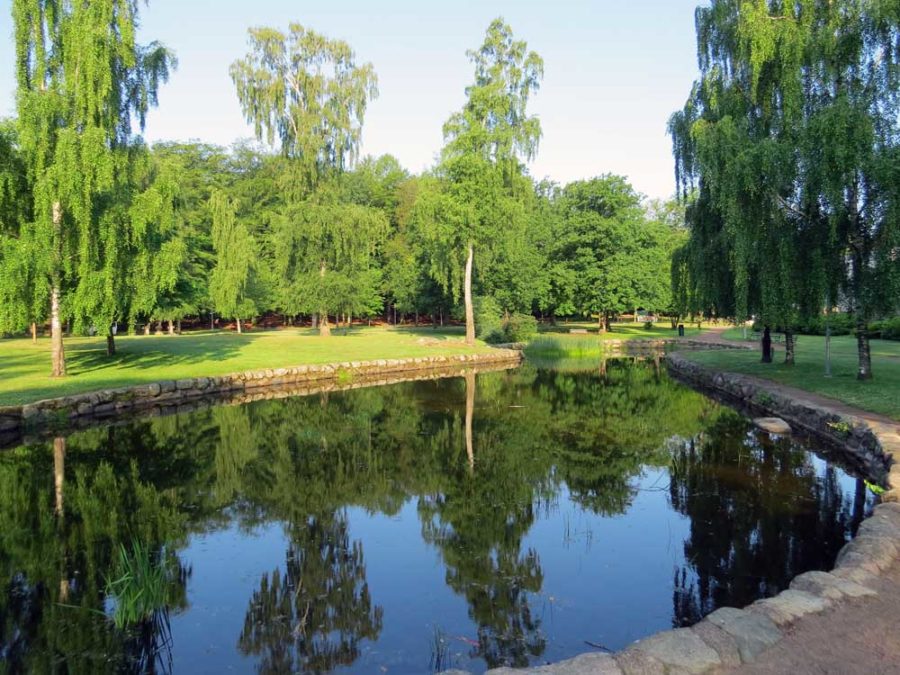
306,92
488,319
233,285
888,329
139,585
787,146
519,328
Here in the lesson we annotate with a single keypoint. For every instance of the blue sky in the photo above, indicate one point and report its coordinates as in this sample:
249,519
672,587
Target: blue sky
614,71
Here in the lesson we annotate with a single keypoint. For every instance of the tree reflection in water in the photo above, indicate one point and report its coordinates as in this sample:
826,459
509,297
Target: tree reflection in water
749,496
482,459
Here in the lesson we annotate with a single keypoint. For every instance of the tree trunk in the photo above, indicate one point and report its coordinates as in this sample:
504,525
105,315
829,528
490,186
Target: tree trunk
828,344
864,370
147,328
315,321
239,326
767,346
324,328
470,413
433,321
467,292
788,347
178,327
601,326
607,322
110,344
171,327
58,352
33,332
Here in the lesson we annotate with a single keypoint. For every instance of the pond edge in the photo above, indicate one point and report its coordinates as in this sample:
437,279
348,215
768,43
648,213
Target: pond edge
729,636
106,405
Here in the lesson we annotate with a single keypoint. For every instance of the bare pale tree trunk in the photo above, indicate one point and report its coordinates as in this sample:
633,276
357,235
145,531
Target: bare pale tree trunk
470,413
864,370
788,347
147,328
601,325
57,351
239,326
33,332
324,328
171,327
315,321
467,293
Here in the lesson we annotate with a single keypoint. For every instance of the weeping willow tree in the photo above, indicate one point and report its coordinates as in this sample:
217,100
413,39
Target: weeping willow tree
305,94
234,283
82,80
789,139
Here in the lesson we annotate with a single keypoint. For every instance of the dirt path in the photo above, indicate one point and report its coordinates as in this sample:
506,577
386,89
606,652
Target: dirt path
855,636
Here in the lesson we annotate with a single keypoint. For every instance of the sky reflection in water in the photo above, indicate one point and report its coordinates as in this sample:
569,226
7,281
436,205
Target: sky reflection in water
362,532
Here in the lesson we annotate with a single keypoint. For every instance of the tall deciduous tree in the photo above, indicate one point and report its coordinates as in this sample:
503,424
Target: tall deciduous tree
305,92
791,137
482,159
81,82
233,284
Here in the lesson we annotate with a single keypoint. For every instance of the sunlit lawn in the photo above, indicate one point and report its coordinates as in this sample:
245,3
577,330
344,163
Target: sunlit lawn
25,367
620,331
881,395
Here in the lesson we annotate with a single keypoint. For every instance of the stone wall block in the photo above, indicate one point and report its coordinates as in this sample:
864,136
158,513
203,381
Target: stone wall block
753,633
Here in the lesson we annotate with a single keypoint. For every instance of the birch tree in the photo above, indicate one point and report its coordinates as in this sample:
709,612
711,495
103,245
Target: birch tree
82,80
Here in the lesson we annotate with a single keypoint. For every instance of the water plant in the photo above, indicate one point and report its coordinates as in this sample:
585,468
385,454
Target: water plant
139,586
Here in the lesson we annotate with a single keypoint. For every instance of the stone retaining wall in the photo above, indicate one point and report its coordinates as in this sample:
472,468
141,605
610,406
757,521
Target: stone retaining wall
856,439
70,412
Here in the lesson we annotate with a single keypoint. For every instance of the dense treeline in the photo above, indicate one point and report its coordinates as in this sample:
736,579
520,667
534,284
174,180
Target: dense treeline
99,232
787,151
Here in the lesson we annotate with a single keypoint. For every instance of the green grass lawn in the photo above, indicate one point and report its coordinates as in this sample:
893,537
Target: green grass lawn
25,367
881,395
620,331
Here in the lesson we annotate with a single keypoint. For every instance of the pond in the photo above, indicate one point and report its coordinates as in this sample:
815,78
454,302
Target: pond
512,517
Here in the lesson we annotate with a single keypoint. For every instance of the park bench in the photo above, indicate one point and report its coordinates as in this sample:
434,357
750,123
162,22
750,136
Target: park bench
777,338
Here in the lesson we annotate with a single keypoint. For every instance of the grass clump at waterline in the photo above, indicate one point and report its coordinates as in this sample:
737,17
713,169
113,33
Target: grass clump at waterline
140,586
25,366
877,395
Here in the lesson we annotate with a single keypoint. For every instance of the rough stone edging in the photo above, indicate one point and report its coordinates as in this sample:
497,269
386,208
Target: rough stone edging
60,413
729,636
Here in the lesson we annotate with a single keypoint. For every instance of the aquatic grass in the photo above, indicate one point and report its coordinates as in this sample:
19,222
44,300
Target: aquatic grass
139,586
573,347
440,659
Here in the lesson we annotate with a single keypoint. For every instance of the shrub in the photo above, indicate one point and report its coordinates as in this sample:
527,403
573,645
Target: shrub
519,328
488,320
888,328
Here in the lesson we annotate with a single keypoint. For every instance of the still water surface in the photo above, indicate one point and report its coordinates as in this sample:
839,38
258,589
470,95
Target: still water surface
514,518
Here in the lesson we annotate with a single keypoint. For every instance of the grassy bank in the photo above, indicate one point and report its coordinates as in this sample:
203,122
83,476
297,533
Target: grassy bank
25,367
559,343
879,395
